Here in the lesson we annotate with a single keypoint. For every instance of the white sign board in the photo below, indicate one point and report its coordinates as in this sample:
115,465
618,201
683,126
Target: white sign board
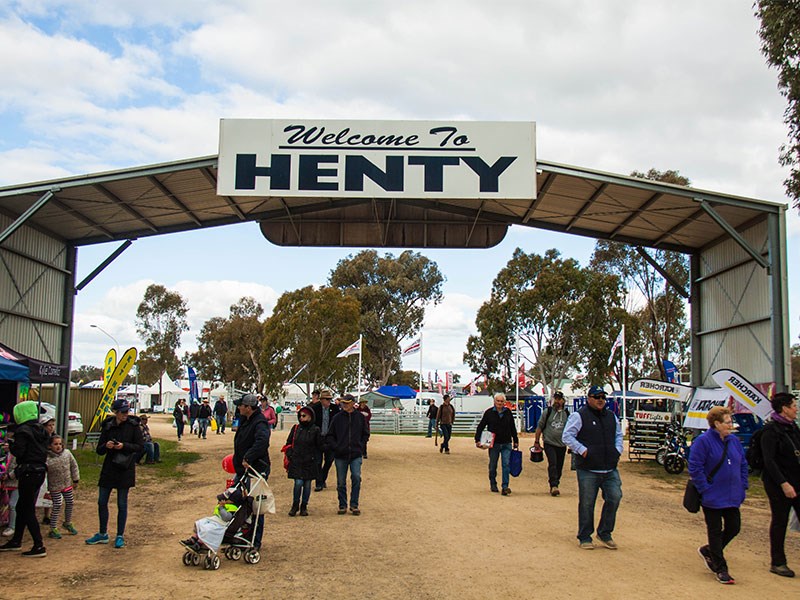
704,400
662,389
377,159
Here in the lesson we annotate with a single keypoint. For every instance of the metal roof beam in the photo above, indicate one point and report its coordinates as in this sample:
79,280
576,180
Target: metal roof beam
587,204
99,268
82,218
664,273
175,200
636,213
474,224
709,210
233,206
690,219
551,178
291,220
32,210
124,206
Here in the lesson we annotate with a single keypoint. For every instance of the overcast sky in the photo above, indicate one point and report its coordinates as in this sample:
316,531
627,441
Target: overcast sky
615,86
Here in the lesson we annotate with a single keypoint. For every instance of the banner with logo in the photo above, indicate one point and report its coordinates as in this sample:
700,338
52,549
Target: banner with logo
108,366
663,389
703,400
110,390
744,392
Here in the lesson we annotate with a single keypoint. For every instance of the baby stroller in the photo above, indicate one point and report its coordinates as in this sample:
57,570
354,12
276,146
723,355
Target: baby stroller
237,540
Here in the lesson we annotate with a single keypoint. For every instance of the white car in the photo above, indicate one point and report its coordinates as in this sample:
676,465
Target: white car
74,423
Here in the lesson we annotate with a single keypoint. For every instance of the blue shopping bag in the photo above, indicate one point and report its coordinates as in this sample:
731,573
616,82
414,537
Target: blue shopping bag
515,463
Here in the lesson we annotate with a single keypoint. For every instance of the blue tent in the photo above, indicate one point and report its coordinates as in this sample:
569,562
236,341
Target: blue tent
402,392
11,370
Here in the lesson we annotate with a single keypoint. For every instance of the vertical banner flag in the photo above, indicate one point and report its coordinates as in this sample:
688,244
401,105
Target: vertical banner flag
617,344
671,371
449,381
430,381
193,395
521,379
110,363
413,348
744,392
110,391
354,348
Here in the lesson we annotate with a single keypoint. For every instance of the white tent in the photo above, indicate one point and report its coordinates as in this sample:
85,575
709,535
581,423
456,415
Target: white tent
170,394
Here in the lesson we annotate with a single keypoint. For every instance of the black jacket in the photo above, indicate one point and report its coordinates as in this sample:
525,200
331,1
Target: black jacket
251,443
317,408
205,411
599,434
432,410
29,445
306,443
502,425
130,434
348,435
194,408
780,463
180,412
220,408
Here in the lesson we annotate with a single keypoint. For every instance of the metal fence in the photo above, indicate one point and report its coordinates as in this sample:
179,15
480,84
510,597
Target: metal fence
392,422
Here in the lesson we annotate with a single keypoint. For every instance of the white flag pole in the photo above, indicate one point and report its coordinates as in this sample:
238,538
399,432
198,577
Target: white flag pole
360,349
420,361
516,380
624,386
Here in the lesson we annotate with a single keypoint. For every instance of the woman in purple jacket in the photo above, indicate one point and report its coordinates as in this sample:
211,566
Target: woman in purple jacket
723,493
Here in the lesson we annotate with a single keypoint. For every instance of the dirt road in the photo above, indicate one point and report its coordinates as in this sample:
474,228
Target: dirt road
429,528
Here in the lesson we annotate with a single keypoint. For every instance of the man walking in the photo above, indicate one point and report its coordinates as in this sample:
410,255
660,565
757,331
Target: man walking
220,414
551,426
203,418
324,411
594,435
445,417
500,422
251,447
432,410
347,438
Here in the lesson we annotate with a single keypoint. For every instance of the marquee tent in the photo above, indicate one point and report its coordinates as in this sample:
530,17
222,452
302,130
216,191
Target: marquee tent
18,367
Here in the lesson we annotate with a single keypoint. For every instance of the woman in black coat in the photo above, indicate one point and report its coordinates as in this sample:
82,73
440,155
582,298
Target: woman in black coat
120,442
306,443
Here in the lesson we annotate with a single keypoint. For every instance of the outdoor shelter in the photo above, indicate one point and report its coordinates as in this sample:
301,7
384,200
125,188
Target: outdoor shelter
401,392
736,245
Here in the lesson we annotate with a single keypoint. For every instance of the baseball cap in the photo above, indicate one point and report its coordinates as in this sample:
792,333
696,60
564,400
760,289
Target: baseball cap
120,405
247,400
558,394
596,390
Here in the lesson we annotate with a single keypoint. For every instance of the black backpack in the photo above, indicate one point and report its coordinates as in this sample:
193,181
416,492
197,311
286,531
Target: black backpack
755,454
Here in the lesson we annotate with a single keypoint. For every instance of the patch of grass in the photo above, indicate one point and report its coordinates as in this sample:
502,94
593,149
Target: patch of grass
171,466
652,469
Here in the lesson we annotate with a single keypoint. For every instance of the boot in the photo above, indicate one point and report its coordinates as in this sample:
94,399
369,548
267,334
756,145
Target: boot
293,510
304,510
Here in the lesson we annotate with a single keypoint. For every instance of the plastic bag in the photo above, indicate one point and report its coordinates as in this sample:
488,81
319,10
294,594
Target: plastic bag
515,463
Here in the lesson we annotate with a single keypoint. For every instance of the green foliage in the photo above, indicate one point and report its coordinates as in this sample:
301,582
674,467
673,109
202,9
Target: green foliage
306,331
795,366
229,349
393,293
555,308
160,321
780,44
86,373
409,378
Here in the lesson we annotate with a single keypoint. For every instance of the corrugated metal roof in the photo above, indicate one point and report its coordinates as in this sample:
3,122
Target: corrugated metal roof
181,196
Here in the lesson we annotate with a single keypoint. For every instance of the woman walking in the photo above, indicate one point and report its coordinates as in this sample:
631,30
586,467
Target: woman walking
121,443
780,446
718,469
181,416
302,446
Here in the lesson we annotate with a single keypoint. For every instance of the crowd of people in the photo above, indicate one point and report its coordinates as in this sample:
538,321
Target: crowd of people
332,432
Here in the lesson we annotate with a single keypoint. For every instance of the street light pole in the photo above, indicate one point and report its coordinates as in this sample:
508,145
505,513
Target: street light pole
116,343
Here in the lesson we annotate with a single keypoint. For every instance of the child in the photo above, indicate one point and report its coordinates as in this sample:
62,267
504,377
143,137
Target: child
302,446
62,477
43,499
209,531
9,483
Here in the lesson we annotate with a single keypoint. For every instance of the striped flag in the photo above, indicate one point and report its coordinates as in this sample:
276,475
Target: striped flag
354,348
617,344
413,348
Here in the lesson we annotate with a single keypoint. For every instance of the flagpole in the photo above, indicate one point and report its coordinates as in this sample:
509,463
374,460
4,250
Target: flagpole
360,349
516,380
624,385
420,361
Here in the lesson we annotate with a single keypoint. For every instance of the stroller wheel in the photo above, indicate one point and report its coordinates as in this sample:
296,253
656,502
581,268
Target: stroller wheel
252,557
207,562
215,563
235,553
187,558
195,559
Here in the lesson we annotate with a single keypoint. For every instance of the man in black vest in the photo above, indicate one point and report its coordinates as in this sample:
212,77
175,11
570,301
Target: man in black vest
594,435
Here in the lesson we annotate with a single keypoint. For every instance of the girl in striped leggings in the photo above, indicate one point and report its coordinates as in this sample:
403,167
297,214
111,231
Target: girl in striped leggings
62,477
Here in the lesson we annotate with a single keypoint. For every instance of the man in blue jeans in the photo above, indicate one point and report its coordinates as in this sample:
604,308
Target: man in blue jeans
347,437
594,435
500,422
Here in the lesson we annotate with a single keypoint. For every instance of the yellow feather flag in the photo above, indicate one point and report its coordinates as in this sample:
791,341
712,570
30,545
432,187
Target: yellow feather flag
110,390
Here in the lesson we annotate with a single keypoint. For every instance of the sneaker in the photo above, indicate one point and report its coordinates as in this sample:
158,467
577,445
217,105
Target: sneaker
98,538
35,552
610,544
342,510
494,488
119,541
8,532
725,578
355,511
554,491
705,554
54,533
506,492
303,512
10,546
70,528
781,570
318,488
588,545
293,510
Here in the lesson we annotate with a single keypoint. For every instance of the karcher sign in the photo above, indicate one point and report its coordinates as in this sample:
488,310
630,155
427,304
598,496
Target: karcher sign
346,159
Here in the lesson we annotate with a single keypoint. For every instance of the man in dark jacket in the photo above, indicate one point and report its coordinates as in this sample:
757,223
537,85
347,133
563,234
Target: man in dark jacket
121,442
432,410
594,435
500,422
220,414
347,438
324,411
780,443
445,417
29,447
251,446
204,418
